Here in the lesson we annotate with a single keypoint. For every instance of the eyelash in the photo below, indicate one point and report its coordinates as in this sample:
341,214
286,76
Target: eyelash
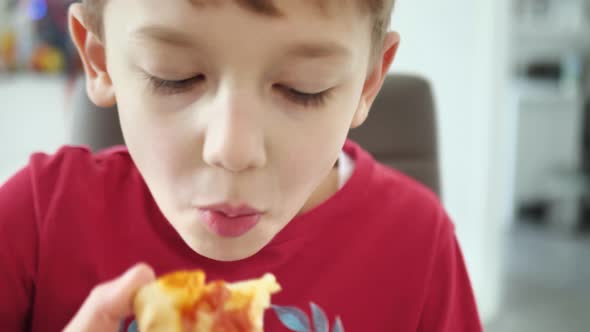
308,100
169,87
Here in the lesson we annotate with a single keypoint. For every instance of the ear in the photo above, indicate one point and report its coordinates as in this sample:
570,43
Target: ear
375,78
93,55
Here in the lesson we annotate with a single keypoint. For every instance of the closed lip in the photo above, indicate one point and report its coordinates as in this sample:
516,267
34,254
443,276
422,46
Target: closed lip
232,210
229,221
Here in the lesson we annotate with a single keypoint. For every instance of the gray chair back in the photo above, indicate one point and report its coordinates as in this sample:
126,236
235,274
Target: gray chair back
401,129
98,128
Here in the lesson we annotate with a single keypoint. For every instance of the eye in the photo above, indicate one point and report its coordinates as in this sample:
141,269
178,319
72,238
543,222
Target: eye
305,99
174,86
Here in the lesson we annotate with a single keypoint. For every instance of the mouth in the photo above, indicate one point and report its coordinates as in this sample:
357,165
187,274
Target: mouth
229,221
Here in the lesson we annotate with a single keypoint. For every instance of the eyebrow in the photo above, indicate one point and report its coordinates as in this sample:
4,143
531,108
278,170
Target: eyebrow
164,35
318,50
178,38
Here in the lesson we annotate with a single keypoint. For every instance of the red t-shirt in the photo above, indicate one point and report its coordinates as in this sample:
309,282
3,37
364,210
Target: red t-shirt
381,253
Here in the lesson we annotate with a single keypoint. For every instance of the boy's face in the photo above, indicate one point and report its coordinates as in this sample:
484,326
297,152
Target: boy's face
234,119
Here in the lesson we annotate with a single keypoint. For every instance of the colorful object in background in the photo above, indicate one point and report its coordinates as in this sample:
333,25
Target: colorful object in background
34,36
37,9
48,59
7,50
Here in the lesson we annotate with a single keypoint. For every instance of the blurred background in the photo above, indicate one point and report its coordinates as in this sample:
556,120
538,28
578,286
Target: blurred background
511,86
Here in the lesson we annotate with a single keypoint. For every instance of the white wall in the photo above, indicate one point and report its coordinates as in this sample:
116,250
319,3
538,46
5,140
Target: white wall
31,118
461,46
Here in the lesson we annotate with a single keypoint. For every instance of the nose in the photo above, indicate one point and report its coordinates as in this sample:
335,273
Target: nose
234,137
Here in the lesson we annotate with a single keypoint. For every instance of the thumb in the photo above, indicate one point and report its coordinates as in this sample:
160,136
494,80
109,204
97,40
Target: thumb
109,303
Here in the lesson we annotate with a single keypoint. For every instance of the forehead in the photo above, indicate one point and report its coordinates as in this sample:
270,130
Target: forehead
271,8
321,15
275,7
215,26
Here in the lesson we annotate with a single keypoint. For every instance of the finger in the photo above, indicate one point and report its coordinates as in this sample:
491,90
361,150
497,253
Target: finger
111,302
116,298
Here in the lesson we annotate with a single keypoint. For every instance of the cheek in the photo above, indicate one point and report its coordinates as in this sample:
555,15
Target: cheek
153,131
308,150
305,168
159,142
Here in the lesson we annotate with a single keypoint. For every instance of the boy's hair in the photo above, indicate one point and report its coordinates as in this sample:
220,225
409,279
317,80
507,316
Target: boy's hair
380,10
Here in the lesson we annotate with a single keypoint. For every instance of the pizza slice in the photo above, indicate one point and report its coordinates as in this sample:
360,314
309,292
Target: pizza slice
183,302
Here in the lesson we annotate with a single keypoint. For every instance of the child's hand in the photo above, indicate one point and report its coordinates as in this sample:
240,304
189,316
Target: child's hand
111,302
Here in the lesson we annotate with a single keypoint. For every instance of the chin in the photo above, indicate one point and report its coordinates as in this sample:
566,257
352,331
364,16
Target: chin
225,251
215,247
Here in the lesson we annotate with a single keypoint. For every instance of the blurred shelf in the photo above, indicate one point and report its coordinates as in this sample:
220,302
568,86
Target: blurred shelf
540,91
